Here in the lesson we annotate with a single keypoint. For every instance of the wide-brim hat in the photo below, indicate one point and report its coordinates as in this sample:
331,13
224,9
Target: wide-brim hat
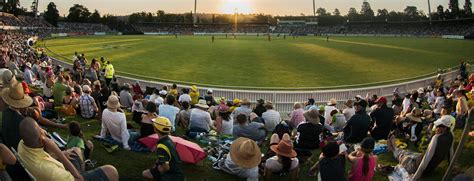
15,96
349,103
312,116
245,101
113,102
285,149
202,104
332,102
28,64
245,153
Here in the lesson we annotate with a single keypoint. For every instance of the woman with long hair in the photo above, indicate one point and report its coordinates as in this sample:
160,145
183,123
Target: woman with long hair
363,161
224,122
285,161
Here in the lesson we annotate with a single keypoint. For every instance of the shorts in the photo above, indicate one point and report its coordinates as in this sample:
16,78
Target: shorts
92,175
409,160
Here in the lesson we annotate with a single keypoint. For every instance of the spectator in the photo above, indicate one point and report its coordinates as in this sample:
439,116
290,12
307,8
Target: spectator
260,108
310,104
210,98
296,116
169,111
174,90
255,131
185,97
87,104
243,159
194,94
6,158
284,161
410,125
338,121
168,165
397,102
331,105
349,110
76,140
243,109
69,103
363,161
224,122
270,116
382,119
28,75
146,124
309,131
235,104
126,99
461,107
184,115
439,103
115,123
109,73
356,128
200,119
67,166
331,164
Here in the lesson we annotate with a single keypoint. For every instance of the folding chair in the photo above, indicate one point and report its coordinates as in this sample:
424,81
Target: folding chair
22,164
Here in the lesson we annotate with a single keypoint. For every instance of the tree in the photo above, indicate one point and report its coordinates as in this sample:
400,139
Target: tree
95,17
78,13
336,12
382,14
352,14
467,8
161,15
51,15
439,12
366,11
411,11
10,6
454,7
321,12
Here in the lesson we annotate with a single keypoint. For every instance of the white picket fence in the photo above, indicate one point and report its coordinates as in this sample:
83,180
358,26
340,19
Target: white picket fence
283,100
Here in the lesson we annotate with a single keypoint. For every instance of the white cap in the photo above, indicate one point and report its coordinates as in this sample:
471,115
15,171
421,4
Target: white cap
209,91
163,92
86,88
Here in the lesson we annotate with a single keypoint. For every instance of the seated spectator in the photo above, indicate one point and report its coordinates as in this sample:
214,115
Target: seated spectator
235,104
137,89
28,75
331,164
194,94
87,104
184,115
224,122
115,123
296,116
76,140
185,97
168,165
255,131
260,108
59,89
310,104
382,119
270,116
411,125
70,102
243,109
439,149
126,99
349,110
6,158
446,114
357,127
174,90
169,111
284,161
242,160
331,105
338,121
146,125
210,100
363,161
35,150
200,119
307,136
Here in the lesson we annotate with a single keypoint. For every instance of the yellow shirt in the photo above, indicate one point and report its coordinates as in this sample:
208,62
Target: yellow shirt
109,71
174,92
41,165
194,97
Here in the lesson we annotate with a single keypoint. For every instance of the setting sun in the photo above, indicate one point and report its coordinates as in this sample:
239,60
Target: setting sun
232,6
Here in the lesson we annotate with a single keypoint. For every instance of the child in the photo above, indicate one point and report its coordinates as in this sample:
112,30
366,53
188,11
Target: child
76,139
331,164
363,161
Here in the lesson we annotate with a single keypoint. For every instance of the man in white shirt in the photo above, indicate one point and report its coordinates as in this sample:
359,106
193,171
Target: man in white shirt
185,97
271,117
115,123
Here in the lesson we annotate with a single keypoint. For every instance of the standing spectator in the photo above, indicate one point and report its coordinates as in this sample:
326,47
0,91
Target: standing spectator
109,73
126,99
87,104
243,109
243,159
357,127
200,119
382,119
168,165
210,98
284,161
115,123
174,90
307,136
169,111
270,116
194,94
260,108
363,161
296,116
349,111
461,107
331,105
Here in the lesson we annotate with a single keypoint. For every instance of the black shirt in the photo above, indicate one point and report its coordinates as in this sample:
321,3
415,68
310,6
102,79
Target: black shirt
11,127
383,119
333,169
443,146
308,135
356,128
259,110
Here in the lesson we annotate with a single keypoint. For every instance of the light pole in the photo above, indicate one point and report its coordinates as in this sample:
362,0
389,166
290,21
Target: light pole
314,7
195,12
429,10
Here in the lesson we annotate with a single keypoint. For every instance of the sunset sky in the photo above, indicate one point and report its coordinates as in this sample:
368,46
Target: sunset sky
274,7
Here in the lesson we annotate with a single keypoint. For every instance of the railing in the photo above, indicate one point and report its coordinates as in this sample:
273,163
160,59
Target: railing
283,100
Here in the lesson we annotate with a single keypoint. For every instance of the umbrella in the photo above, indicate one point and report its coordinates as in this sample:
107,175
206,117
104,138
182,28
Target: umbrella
188,151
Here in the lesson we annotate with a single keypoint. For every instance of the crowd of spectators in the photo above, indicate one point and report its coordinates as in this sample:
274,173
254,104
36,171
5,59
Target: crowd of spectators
83,27
23,21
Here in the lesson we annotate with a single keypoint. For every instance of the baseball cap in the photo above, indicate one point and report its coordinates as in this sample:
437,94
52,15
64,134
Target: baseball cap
381,100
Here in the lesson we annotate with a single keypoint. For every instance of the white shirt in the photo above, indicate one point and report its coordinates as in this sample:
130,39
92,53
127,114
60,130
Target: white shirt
271,118
184,98
327,113
438,105
406,104
200,119
116,124
348,112
275,166
227,126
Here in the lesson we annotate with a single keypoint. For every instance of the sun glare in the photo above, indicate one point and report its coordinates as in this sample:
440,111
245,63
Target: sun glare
239,6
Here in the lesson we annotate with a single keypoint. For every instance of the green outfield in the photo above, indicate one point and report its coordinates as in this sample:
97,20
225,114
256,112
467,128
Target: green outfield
256,62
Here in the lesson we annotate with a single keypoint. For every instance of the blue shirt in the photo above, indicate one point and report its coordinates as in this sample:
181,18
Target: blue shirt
169,112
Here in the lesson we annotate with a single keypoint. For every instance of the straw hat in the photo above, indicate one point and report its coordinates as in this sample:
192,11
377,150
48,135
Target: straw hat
245,101
312,116
202,104
16,97
284,148
332,101
113,102
245,153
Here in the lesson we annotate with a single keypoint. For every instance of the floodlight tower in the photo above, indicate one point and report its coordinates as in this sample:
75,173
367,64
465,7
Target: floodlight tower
314,7
429,10
195,12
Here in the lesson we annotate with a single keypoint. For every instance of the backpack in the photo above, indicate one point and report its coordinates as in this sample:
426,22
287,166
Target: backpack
281,128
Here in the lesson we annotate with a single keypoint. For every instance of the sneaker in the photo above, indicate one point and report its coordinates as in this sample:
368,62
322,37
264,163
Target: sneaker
215,166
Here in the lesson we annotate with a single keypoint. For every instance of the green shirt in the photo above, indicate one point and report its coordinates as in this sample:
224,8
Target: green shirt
176,170
75,141
59,91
